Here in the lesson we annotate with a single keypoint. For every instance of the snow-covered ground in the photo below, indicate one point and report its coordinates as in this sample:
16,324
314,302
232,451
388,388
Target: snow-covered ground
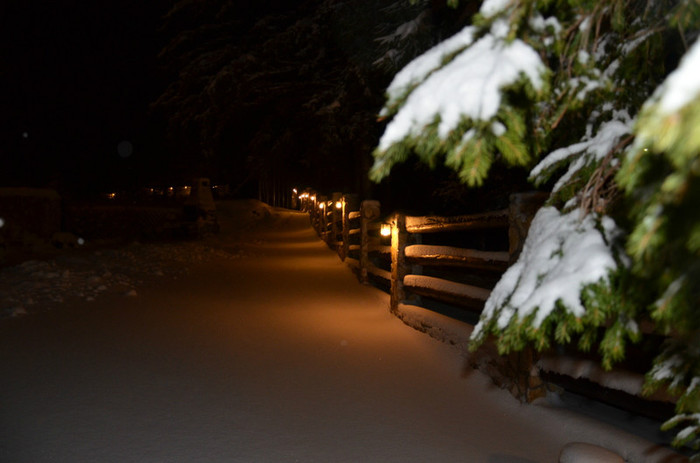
257,345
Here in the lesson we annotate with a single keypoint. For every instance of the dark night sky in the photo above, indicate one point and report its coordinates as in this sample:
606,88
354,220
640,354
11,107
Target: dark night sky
76,78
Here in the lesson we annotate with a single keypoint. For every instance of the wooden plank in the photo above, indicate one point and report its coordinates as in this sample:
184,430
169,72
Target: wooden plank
434,224
447,291
380,248
354,215
376,271
420,254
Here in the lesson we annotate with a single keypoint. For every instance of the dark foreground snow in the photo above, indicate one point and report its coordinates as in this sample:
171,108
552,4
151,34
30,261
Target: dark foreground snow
265,350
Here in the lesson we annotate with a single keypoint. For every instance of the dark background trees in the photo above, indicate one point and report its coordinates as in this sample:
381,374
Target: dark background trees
260,93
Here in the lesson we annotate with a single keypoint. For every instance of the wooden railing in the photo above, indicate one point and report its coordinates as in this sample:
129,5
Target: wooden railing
413,259
394,248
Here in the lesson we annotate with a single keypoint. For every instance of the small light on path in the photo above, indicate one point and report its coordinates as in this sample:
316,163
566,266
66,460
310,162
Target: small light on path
385,230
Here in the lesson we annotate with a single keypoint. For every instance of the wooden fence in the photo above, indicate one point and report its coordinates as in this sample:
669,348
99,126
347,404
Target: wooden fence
397,250
456,260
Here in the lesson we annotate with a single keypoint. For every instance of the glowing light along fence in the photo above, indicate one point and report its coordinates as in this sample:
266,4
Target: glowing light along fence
363,238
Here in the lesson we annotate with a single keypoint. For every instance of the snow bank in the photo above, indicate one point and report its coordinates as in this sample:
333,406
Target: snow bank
618,379
581,452
86,276
438,326
83,274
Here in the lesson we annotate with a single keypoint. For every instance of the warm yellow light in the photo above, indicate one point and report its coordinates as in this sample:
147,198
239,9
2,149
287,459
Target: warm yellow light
313,198
294,190
321,205
338,204
385,230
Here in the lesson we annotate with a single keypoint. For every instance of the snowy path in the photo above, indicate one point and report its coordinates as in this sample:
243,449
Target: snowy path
278,356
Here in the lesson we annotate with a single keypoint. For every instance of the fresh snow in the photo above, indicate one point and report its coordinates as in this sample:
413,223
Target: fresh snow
618,379
468,86
446,286
491,8
593,148
276,355
561,254
682,86
418,69
581,452
420,250
88,275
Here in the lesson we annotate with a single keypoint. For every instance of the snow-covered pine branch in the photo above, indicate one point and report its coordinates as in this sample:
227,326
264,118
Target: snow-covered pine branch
583,85
449,99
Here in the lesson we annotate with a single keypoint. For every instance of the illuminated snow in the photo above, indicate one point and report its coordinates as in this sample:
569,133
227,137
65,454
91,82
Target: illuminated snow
682,86
592,148
491,8
278,355
468,86
560,256
418,69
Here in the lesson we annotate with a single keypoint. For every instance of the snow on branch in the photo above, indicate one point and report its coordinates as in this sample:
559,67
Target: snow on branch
404,30
591,149
469,86
561,255
418,69
683,85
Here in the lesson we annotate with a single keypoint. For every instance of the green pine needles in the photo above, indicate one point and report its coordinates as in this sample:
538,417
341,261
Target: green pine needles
601,100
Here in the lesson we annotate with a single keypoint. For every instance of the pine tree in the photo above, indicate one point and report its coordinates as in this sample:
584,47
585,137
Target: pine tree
585,95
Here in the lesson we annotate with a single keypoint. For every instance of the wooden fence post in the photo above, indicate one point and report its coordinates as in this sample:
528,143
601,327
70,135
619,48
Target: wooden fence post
336,218
349,205
399,236
521,211
369,212
313,209
526,383
322,217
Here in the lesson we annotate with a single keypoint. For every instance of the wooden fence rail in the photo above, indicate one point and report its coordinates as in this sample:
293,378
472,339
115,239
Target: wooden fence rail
390,248
457,260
